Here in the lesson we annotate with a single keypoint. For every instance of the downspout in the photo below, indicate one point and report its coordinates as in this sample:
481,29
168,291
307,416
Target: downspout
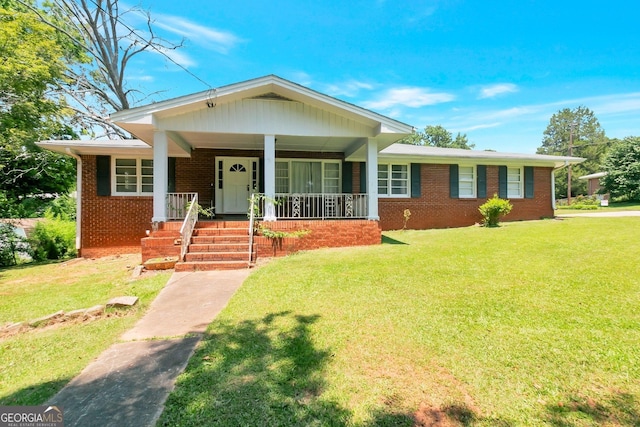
78,197
553,184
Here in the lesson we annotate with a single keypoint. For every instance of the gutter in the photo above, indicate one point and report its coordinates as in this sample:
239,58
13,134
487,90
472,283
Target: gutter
78,196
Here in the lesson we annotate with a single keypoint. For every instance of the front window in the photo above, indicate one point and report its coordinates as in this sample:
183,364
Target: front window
393,180
514,182
308,176
467,182
133,176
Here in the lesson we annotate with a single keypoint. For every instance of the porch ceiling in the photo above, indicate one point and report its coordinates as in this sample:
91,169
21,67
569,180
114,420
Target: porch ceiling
256,142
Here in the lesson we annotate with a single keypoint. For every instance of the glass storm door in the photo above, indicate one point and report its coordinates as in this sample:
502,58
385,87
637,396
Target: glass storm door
237,184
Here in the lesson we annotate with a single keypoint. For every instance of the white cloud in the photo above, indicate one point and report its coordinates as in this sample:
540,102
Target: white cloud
176,56
142,78
207,37
349,88
497,89
301,78
480,126
414,97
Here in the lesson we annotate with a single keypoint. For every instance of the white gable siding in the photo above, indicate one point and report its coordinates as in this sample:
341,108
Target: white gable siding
257,116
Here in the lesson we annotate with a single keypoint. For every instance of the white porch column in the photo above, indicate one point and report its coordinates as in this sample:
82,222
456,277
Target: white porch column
372,179
269,177
160,176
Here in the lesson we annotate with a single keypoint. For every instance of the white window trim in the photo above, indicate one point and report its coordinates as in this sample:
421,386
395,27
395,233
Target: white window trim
388,195
474,184
114,185
321,161
521,196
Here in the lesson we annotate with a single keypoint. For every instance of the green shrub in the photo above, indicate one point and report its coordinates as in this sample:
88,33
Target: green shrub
578,207
493,209
54,238
585,201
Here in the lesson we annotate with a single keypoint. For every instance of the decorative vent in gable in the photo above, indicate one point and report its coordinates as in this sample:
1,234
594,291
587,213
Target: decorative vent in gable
271,96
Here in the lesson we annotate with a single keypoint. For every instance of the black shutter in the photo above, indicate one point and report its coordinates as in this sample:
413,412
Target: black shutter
171,175
502,182
347,177
528,182
482,181
363,177
415,180
103,175
454,190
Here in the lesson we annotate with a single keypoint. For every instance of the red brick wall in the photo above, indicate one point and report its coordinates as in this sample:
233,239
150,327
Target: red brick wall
323,234
435,209
110,225
117,224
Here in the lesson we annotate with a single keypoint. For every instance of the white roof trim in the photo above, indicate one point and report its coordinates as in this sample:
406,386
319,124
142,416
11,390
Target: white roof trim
428,154
593,175
132,147
142,114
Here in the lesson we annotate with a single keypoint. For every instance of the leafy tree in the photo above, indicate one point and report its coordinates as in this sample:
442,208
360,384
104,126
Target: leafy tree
11,245
101,44
622,164
63,65
32,62
588,140
438,136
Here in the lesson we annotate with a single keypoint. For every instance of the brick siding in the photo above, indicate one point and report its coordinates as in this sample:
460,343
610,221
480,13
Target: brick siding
322,234
116,224
110,224
435,209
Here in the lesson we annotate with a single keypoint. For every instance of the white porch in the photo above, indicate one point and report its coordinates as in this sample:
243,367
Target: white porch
268,116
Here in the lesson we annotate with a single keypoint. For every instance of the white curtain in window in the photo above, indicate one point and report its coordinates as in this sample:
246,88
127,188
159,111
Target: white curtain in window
306,177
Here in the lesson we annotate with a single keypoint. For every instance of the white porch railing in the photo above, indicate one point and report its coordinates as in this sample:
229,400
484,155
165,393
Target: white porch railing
189,223
320,206
178,204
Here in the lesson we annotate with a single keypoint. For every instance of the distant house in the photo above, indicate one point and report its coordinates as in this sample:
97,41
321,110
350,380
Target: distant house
322,164
593,182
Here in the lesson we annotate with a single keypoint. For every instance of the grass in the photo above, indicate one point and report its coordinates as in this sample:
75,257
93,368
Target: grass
532,323
613,207
36,364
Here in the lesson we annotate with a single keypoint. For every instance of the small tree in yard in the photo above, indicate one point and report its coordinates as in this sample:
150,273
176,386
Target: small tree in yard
493,209
622,165
11,245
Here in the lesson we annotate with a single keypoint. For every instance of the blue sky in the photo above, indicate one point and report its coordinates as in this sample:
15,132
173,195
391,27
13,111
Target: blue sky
495,70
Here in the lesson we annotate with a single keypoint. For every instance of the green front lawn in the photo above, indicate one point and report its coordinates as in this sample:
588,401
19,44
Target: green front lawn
613,207
36,364
532,323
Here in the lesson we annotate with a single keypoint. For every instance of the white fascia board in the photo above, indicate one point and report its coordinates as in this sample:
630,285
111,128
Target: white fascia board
470,160
593,175
271,83
96,148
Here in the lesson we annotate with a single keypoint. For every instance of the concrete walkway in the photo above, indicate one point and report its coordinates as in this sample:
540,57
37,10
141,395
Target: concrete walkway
128,384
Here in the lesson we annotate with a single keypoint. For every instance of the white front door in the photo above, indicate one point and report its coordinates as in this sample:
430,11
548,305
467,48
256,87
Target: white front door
236,184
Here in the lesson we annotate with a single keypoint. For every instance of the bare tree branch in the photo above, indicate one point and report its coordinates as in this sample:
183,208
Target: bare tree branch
96,28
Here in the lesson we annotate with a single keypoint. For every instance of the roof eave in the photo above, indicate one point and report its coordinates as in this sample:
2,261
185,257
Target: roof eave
144,114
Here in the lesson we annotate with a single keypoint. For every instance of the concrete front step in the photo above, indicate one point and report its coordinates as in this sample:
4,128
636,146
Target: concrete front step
211,265
216,256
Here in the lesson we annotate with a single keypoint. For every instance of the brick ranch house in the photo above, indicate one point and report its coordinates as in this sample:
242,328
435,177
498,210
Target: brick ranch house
322,164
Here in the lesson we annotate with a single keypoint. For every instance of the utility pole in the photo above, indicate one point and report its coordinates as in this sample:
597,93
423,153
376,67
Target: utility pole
569,167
